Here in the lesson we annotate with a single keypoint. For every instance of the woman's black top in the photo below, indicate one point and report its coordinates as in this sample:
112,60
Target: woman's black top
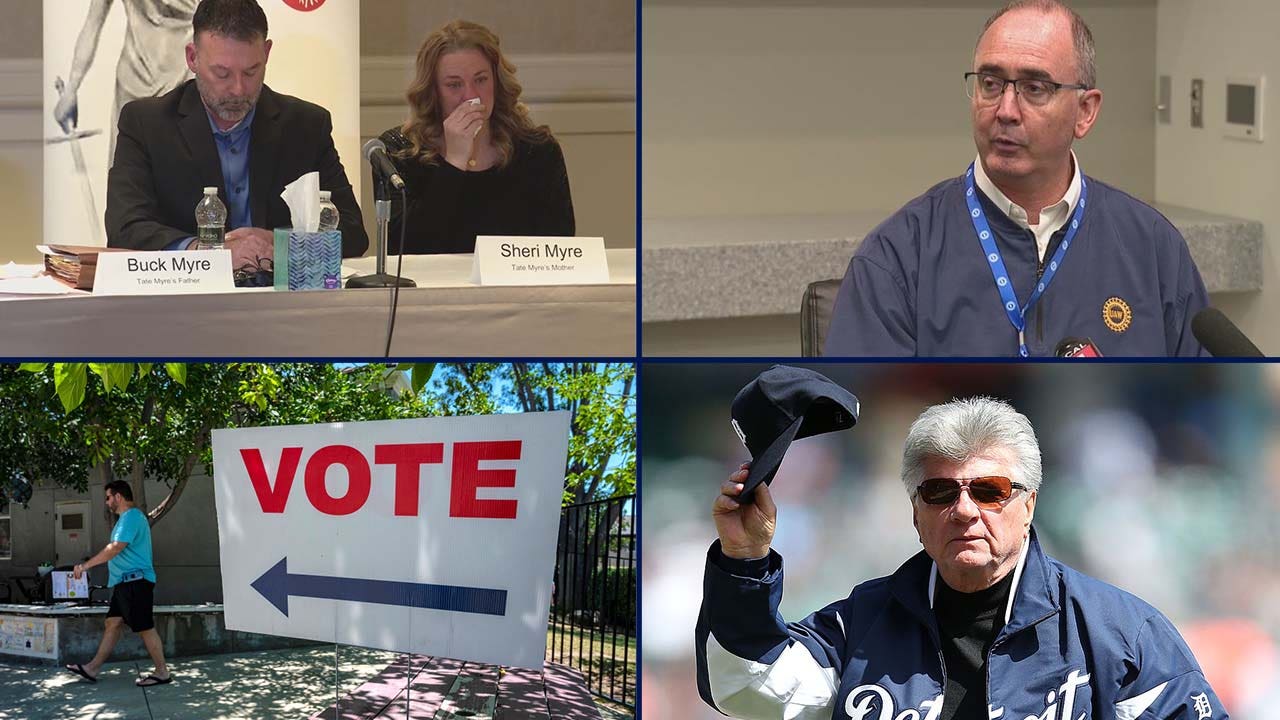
448,208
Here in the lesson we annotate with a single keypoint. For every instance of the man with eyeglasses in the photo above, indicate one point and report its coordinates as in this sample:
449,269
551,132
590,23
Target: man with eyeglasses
981,625
1023,251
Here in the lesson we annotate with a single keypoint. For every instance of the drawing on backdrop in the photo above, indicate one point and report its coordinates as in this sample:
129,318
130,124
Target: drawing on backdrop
101,54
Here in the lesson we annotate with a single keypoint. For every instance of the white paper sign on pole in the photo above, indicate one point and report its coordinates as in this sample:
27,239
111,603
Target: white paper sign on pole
431,535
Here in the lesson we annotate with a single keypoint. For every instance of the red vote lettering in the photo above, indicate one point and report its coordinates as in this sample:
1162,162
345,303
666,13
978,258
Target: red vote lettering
358,482
408,459
468,477
272,498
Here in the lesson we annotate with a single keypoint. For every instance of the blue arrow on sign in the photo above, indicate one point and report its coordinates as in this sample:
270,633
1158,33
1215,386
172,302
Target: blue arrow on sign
277,584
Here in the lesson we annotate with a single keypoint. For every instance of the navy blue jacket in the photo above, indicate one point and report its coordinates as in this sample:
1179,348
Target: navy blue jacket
1073,648
919,284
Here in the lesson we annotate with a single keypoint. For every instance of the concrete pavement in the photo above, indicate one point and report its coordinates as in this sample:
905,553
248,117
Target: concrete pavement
286,684
261,685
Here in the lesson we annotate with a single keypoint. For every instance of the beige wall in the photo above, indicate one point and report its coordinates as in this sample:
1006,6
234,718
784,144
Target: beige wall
394,27
824,106
22,29
1200,168
576,56
21,156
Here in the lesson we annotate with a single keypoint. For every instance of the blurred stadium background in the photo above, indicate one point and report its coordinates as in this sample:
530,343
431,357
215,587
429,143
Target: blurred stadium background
1163,479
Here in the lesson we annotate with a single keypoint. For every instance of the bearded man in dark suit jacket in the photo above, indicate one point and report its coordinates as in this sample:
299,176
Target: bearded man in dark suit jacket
223,129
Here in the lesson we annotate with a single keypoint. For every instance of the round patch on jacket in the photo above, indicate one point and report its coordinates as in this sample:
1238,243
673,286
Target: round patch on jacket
1116,314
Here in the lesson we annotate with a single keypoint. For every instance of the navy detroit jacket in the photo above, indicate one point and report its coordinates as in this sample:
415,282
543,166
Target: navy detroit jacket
919,284
1073,648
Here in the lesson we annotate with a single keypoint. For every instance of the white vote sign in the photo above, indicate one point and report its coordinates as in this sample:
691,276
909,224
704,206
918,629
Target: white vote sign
432,535
511,260
163,273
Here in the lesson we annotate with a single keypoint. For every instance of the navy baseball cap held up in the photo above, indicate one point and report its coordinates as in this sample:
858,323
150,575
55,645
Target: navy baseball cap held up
782,404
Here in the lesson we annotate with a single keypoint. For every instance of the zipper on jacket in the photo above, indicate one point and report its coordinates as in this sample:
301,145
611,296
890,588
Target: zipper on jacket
942,661
994,644
1039,309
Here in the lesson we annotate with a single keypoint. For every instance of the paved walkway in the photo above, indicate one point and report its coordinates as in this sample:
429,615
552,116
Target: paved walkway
273,684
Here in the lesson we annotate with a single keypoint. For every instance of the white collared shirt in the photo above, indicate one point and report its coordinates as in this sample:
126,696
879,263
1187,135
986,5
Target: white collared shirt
1052,218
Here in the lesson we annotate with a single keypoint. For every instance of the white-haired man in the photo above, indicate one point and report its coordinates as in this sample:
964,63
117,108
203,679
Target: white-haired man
981,625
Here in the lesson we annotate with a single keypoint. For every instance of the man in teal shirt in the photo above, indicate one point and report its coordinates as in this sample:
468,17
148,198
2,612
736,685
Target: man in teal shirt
132,579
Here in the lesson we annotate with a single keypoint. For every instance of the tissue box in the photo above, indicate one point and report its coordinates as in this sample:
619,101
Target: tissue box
308,260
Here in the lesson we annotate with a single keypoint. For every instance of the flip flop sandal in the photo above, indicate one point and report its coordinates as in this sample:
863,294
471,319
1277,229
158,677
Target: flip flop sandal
78,669
152,680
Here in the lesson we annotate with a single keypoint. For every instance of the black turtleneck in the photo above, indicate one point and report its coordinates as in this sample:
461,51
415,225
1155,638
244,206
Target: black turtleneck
967,625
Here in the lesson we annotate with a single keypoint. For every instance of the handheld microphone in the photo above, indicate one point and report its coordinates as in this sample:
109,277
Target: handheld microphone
376,152
1077,348
1220,336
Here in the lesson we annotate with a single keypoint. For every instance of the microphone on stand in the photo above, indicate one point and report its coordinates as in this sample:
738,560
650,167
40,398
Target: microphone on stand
385,176
375,151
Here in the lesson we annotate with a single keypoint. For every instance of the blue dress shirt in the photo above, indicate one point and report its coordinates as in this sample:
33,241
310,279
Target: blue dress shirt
233,154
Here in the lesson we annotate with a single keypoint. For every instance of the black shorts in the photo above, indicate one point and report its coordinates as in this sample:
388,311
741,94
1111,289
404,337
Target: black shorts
133,602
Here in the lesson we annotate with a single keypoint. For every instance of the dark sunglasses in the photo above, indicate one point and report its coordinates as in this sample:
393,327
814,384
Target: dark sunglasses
986,492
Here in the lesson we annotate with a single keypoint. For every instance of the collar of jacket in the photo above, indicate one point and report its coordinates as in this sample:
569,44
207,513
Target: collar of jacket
1005,227
264,139
1036,594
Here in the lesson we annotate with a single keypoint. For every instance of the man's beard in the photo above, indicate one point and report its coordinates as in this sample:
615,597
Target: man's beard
227,109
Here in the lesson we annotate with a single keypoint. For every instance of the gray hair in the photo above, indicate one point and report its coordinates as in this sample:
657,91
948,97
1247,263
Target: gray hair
963,429
1081,36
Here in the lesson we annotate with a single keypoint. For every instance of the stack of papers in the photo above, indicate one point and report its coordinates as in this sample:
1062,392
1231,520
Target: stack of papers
74,265
17,281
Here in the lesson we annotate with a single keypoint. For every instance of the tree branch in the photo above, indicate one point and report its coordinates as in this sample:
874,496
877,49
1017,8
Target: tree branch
521,372
551,392
183,478
137,481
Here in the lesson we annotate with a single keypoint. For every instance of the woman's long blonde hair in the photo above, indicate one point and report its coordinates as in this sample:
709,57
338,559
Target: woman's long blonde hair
509,120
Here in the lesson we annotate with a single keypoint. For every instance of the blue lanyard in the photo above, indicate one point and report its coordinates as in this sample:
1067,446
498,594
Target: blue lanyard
1018,316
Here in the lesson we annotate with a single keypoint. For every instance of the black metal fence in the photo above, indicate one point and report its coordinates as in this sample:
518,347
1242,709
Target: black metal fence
593,604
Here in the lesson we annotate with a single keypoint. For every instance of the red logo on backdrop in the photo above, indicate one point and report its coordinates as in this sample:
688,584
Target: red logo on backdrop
304,5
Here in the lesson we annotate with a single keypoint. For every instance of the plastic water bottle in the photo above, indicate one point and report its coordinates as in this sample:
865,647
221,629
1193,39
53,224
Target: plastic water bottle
211,221
328,212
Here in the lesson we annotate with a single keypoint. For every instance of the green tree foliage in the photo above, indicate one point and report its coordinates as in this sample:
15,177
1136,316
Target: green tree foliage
36,438
153,422
602,447
601,396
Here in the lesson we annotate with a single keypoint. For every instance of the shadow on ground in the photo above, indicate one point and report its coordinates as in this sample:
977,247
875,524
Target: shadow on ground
289,683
